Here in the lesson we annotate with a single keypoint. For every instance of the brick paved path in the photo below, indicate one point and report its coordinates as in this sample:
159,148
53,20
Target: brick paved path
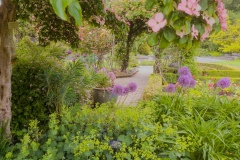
140,78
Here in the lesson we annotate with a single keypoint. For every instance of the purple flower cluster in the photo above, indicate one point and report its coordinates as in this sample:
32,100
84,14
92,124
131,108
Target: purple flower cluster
185,78
170,88
122,91
223,83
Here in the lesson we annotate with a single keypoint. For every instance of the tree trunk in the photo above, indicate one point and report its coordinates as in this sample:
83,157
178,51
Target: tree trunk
7,13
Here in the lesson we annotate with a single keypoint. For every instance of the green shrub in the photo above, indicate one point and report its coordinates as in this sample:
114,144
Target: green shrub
144,49
41,85
85,133
170,77
154,86
170,70
221,73
146,63
210,66
215,54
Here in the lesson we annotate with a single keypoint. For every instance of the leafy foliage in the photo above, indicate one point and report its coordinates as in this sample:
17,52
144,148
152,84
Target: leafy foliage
228,41
41,84
144,49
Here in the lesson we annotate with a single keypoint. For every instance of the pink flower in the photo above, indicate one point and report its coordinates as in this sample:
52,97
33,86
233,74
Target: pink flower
112,76
190,7
194,32
208,19
157,23
208,29
222,14
181,32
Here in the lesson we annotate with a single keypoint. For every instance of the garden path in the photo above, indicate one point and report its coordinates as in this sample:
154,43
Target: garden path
141,79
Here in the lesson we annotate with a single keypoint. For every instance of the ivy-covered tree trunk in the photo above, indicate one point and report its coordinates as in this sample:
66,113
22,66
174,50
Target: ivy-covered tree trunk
128,48
7,13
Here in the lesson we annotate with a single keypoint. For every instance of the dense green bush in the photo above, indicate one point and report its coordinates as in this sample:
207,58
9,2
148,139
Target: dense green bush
170,77
85,133
41,84
210,123
221,73
144,49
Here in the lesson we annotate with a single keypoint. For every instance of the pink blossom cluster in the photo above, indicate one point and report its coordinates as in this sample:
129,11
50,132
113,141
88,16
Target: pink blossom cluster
157,22
222,14
190,7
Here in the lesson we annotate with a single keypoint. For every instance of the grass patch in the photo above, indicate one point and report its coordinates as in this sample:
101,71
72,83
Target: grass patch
234,63
146,63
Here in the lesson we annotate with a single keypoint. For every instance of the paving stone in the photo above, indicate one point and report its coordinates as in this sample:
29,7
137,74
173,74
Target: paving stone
141,79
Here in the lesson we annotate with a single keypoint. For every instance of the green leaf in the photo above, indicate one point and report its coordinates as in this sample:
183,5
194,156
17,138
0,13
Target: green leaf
179,23
183,40
169,34
152,39
59,7
168,8
200,27
188,26
75,11
149,4
164,43
203,4
125,139
189,44
210,10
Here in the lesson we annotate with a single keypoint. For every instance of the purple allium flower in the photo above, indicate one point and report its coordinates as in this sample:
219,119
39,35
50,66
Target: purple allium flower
118,90
184,81
192,83
73,59
184,71
69,52
126,91
170,88
78,55
223,83
132,86
111,75
104,70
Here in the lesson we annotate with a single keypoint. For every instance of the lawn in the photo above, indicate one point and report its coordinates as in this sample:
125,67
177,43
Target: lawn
234,63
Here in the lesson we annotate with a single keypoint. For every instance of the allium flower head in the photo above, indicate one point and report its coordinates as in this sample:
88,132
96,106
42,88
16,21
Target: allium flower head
132,87
184,80
192,83
112,76
223,83
170,88
126,90
118,90
184,71
69,52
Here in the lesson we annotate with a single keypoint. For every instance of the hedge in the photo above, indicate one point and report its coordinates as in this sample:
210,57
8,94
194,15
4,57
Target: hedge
222,73
204,78
210,66
153,87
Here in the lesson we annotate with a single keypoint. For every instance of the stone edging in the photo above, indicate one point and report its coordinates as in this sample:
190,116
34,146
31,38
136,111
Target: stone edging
128,75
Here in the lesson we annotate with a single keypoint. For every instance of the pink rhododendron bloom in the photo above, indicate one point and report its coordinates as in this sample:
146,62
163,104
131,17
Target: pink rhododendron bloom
208,29
157,23
208,19
194,32
181,32
190,7
222,14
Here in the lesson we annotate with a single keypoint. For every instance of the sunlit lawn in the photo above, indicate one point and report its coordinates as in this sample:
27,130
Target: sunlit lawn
234,63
